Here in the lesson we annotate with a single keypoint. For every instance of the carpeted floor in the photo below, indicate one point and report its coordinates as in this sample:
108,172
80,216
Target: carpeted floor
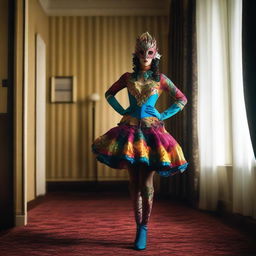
84,224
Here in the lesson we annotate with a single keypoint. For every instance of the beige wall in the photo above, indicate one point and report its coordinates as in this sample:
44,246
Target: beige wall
97,50
37,23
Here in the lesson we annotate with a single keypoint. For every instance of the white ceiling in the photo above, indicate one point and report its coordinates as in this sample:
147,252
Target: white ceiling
105,7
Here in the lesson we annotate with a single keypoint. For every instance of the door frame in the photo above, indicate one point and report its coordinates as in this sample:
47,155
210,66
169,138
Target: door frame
40,115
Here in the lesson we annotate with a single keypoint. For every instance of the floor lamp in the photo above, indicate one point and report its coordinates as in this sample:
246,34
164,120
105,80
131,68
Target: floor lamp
94,97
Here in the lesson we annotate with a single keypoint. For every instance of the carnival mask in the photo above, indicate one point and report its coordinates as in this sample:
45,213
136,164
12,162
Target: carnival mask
146,47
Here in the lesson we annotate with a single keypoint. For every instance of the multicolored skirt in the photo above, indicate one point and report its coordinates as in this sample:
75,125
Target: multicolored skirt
140,141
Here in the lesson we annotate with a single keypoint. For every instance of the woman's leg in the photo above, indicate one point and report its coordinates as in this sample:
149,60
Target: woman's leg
135,193
147,193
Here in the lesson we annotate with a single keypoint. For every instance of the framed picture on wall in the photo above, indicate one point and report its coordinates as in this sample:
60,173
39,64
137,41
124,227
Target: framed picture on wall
63,89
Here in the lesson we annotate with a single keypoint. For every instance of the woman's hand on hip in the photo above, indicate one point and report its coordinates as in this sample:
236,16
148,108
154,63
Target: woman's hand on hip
152,111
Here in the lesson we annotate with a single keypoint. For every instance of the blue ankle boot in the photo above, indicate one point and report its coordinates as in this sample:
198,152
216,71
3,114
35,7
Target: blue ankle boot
141,237
137,232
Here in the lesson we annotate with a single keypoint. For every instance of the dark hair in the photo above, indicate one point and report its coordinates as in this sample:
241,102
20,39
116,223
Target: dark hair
154,68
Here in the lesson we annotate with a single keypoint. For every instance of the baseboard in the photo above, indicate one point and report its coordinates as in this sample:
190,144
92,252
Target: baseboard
87,186
80,186
20,220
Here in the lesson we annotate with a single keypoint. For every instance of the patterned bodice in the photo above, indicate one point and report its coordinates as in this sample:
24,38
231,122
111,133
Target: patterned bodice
146,93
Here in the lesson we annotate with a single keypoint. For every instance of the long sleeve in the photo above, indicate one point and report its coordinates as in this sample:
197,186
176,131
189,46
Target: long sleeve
110,94
180,99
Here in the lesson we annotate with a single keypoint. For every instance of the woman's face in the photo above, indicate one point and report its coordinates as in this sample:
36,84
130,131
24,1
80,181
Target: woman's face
144,62
146,56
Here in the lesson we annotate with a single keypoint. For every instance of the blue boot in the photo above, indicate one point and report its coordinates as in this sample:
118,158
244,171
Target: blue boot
137,232
141,238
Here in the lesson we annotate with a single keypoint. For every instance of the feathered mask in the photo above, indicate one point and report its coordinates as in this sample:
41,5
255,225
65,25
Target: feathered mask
146,47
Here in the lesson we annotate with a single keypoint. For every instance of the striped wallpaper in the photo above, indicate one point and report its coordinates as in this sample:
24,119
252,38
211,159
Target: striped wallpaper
97,50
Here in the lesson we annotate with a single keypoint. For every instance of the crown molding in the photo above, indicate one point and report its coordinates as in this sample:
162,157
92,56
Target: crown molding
105,7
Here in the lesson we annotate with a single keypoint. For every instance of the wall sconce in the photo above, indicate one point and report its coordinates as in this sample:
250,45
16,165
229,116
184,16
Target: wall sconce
94,97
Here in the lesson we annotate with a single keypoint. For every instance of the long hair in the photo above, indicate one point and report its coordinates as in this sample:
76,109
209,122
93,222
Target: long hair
154,68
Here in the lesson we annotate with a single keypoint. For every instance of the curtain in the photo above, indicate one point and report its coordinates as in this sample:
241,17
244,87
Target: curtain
182,71
249,64
243,157
222,123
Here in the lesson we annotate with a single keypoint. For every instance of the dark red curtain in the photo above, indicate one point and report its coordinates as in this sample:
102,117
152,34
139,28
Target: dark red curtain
183,72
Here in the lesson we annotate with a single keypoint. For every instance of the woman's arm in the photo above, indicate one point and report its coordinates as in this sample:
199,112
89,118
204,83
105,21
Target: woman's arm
111,92
180,99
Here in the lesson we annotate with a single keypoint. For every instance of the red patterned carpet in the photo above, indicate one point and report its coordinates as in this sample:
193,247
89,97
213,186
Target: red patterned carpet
81,224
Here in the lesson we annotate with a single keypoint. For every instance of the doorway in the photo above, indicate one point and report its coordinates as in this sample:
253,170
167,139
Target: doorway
7,23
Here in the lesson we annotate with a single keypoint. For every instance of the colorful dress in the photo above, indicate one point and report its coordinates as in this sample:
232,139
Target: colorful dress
140,137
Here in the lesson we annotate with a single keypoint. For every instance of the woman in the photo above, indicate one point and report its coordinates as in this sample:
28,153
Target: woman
140,142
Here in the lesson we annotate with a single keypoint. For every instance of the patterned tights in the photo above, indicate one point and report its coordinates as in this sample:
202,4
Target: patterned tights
147,203
142,193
